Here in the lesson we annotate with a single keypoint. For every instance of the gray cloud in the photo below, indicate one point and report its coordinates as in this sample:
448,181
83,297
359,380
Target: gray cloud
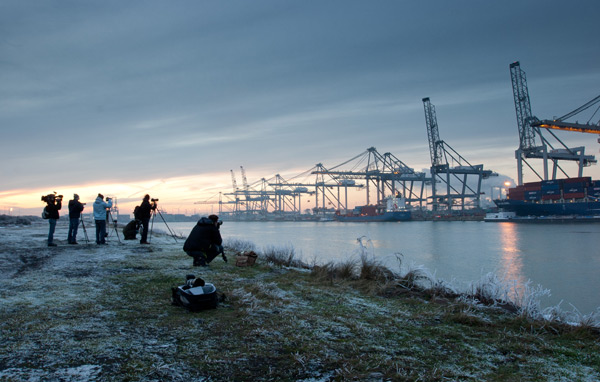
140,90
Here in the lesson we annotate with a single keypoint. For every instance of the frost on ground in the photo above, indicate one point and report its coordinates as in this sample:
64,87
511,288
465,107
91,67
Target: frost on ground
103,313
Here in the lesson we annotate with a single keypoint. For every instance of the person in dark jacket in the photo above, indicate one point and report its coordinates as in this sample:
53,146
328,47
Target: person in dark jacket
204,243
131,229
145,212
75,209
53,204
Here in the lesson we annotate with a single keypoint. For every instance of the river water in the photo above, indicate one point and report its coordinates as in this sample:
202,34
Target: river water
564,258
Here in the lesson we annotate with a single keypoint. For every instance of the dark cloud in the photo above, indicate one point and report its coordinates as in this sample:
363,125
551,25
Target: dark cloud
148,89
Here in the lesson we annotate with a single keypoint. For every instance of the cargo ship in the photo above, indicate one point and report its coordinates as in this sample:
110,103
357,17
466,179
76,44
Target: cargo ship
562,199
392,211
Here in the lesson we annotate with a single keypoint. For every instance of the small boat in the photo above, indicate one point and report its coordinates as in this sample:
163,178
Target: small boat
393,211
501,216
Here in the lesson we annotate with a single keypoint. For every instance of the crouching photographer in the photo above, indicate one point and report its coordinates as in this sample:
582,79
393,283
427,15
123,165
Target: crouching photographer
53,204
204,242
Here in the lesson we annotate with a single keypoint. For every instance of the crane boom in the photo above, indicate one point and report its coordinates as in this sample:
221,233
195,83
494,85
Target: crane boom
561,124
522,106
244,180
435,143
233,182
567,126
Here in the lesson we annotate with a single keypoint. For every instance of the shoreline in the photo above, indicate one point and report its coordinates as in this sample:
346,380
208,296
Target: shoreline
103,313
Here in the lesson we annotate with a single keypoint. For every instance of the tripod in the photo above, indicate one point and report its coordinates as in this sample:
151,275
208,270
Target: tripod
87,240
164,221
109,214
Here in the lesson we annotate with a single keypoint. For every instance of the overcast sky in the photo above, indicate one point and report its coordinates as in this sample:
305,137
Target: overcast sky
129,97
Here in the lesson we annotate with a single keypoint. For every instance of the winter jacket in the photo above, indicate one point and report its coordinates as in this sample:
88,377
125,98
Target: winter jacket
100,207
145,210
52,209
203,235
75,208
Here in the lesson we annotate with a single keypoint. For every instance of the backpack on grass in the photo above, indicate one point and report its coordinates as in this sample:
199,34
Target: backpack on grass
195,295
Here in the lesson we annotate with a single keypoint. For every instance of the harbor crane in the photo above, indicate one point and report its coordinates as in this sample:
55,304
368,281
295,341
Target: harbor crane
534,145
388,174
457,188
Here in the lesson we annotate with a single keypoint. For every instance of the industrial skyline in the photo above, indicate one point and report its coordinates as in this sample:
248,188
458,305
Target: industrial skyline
150,97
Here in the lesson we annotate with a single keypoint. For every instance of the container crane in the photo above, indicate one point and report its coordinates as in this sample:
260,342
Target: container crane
530,130
386,172
441,171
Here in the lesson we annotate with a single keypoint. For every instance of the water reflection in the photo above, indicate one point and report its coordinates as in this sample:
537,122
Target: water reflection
511,261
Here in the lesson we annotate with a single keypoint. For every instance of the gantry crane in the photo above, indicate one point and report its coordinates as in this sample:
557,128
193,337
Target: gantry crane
388,174
530,130
442,155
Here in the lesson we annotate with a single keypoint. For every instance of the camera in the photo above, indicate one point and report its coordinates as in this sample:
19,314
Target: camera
50,198
219,222
154,200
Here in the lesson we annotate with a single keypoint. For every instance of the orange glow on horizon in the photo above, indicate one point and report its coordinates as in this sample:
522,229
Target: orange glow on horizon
176,195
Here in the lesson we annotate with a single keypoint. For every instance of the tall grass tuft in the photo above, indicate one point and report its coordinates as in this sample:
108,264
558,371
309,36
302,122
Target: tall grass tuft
371,268
283,256
238,245
346,270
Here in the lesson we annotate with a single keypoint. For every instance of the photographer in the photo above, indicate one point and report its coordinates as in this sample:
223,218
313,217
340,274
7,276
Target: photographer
53,204
75,209
100,207
145,212
204,242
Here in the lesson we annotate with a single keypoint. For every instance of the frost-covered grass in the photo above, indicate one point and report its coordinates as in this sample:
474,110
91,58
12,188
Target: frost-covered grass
111,320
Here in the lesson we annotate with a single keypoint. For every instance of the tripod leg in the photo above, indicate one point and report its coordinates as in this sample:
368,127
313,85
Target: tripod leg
87,240
169,228
115,227
151,227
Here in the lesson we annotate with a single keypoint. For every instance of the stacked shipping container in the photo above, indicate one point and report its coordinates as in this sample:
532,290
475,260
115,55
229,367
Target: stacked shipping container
574,188
570,188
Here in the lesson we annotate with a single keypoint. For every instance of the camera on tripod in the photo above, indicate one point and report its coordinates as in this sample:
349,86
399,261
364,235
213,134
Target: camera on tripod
154,200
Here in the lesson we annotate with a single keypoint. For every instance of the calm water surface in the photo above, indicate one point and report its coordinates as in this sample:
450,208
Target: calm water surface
564,258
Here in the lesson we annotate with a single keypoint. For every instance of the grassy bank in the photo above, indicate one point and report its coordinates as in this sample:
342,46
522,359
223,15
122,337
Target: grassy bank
111,318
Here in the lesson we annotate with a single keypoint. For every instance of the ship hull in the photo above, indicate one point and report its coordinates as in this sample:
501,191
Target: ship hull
393,216
525,208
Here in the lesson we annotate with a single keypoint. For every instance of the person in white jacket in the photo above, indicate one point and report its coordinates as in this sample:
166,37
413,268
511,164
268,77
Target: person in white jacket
100,208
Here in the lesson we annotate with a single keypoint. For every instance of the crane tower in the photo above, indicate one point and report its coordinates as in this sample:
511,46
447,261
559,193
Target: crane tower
458,190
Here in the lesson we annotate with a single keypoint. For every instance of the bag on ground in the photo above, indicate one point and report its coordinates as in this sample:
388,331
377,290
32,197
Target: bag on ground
195,295
245,259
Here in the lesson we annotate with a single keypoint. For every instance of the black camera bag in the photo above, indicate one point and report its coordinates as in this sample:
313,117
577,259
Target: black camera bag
195,298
